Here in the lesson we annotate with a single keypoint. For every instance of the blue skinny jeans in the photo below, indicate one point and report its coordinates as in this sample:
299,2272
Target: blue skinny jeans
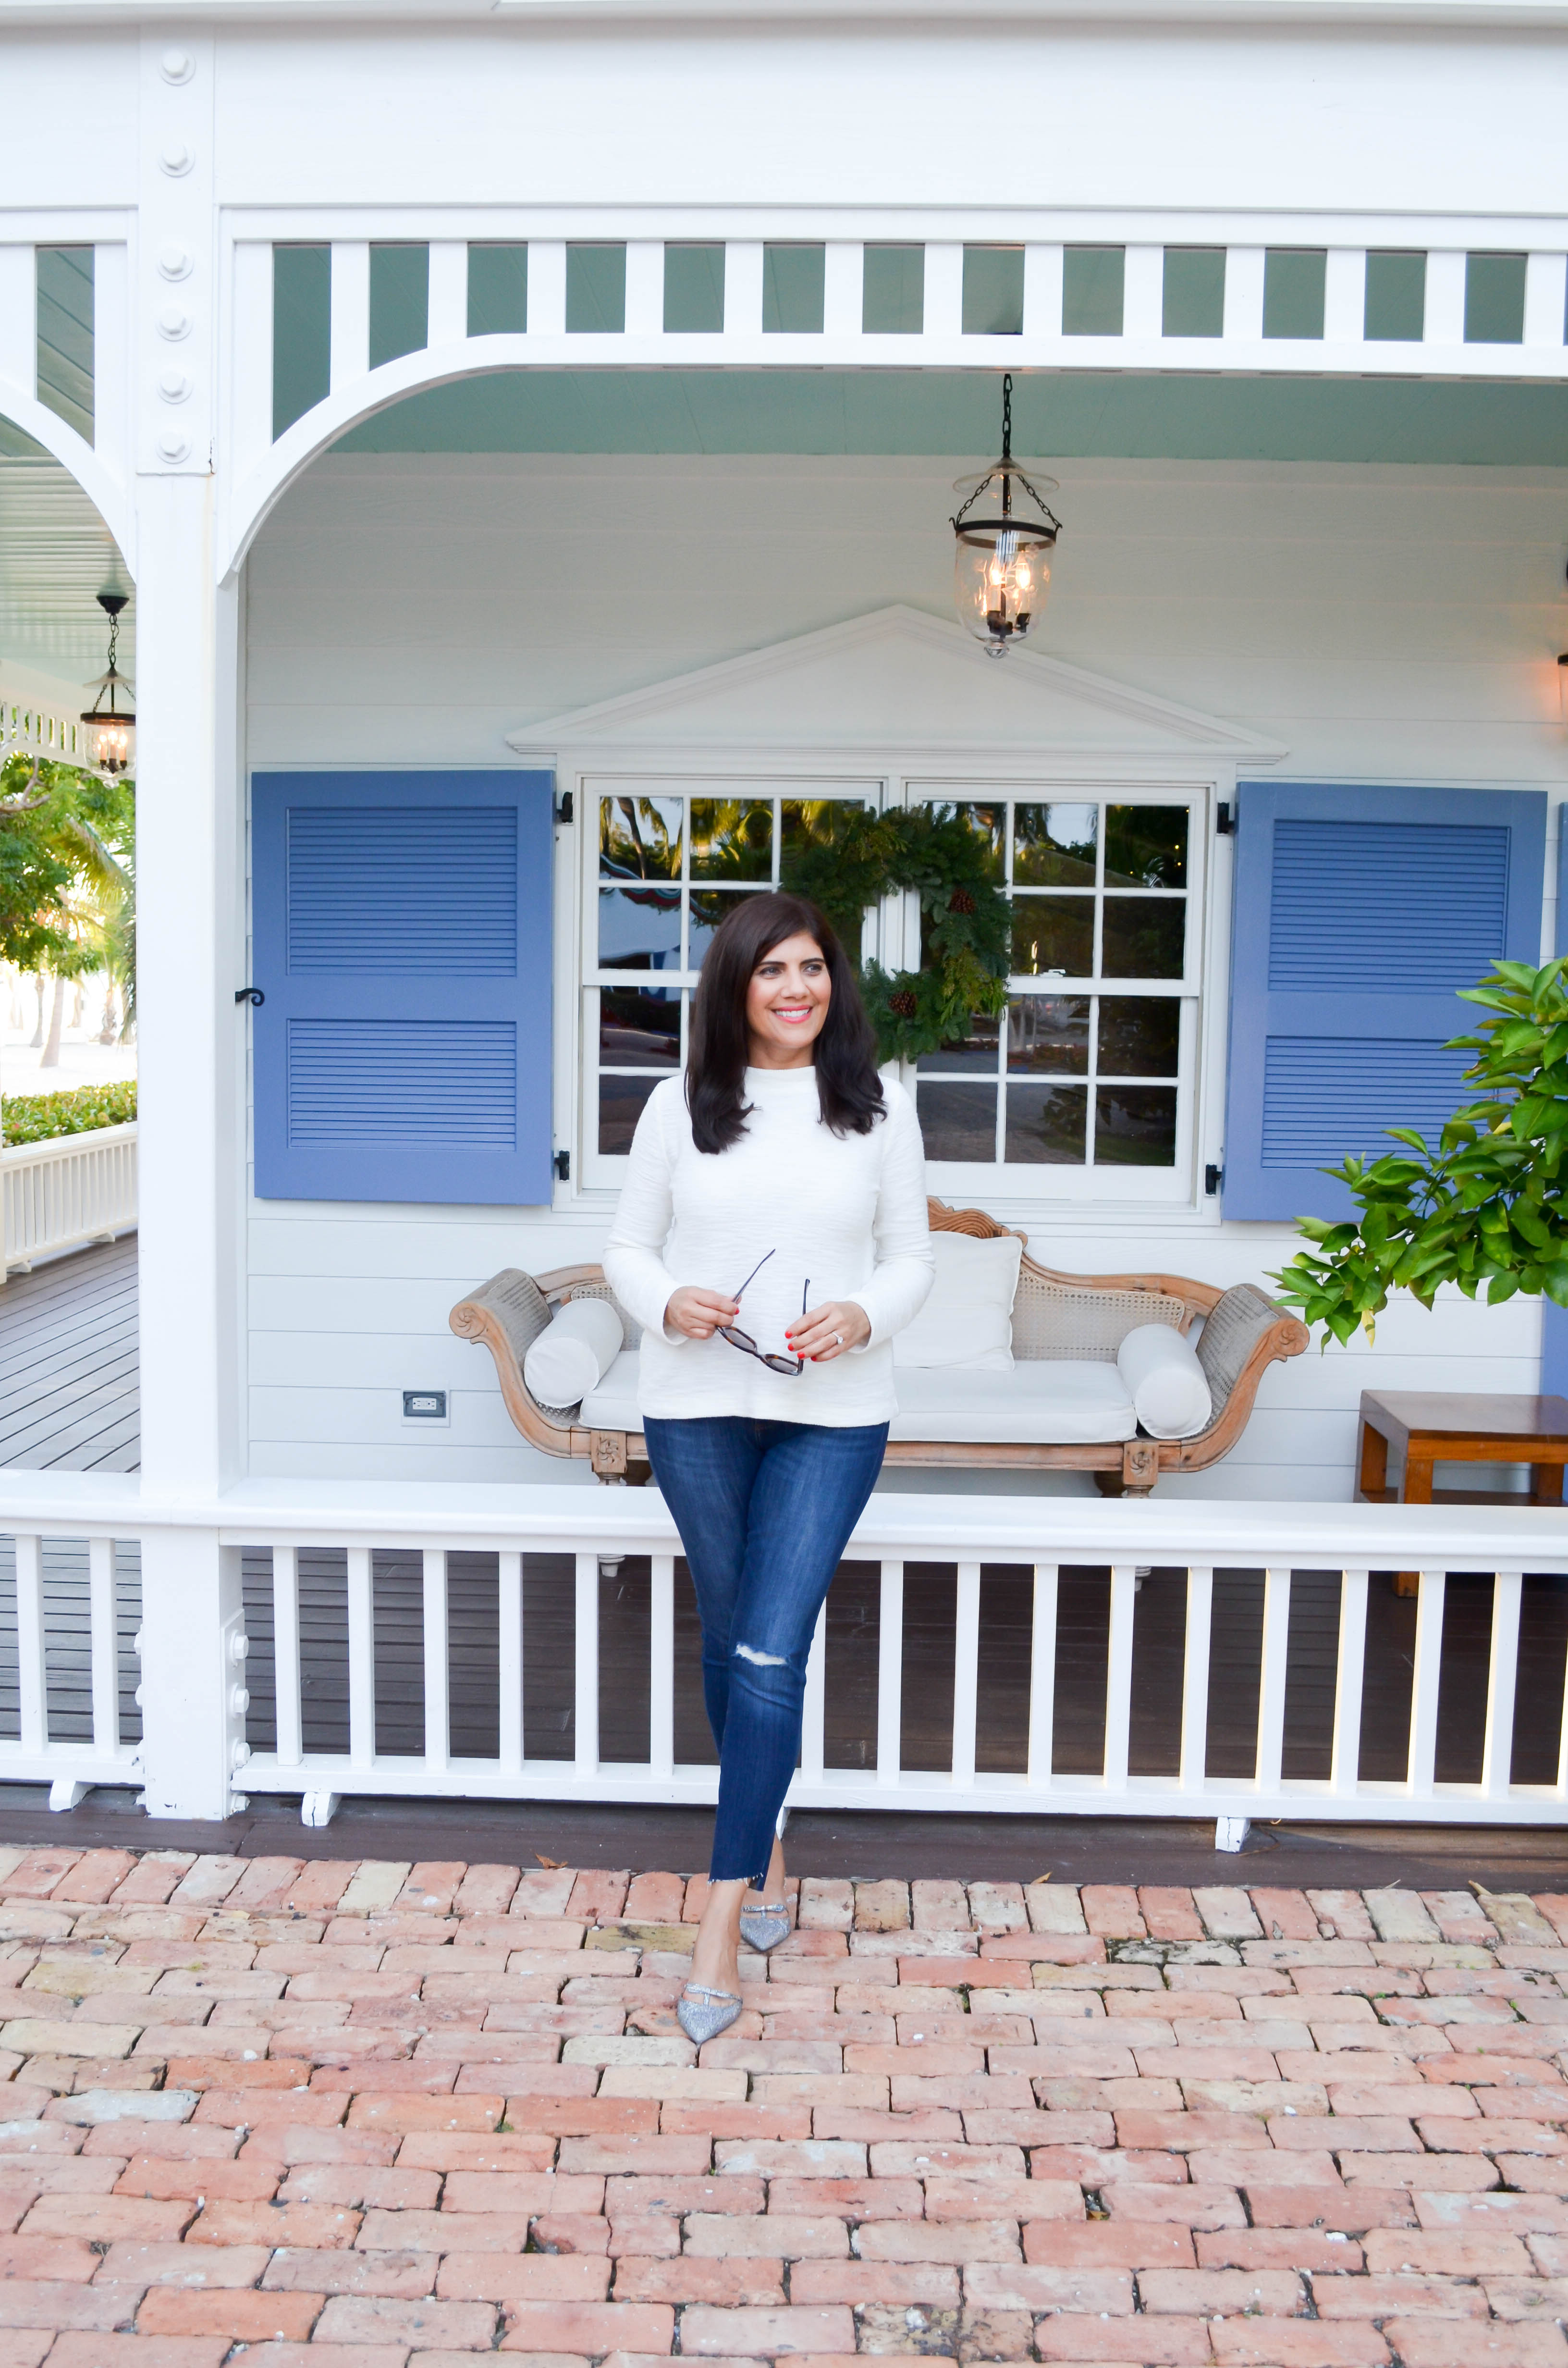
765,1510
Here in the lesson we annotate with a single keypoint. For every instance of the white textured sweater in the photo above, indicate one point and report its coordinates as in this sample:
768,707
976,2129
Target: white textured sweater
844,1215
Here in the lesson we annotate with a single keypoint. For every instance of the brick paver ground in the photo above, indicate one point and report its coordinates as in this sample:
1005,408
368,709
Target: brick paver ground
363,2115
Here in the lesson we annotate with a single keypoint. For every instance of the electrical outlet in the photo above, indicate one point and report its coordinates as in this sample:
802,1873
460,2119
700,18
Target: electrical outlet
426,1407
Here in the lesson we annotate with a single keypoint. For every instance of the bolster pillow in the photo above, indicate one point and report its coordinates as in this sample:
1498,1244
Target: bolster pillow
574,1352
1165,1380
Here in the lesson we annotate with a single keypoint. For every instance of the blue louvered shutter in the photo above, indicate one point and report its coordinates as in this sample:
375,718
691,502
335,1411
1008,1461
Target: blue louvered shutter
402,925
1554,1319
1359,914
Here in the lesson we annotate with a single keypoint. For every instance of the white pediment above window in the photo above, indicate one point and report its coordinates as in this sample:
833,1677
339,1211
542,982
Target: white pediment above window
896,680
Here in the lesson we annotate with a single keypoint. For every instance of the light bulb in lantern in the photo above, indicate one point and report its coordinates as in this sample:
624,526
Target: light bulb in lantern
111,725
1003,536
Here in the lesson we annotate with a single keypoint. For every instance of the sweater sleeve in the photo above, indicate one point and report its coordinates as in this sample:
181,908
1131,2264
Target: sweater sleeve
633,1261
905,1269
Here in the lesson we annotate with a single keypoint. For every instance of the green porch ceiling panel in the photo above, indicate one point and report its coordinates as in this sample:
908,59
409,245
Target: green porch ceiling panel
596,291
1293,280
794,285
497,291
64,330
1093,280
993,292
301,331
1087,415
400,302
892,301
1395,308
1495,300
694,290
1194,295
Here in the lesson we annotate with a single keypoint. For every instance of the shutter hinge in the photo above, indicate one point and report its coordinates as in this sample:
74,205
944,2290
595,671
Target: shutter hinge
1225,821
563,806
1213,1176
561,1164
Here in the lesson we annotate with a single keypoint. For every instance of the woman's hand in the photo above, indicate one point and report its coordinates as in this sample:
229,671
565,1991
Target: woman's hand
699,1314
829,1331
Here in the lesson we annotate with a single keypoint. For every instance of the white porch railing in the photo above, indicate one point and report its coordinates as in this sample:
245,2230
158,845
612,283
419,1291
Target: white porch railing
70,1190
348,1598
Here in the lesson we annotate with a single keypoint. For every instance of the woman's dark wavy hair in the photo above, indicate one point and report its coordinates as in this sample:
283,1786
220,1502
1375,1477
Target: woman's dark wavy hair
848,1089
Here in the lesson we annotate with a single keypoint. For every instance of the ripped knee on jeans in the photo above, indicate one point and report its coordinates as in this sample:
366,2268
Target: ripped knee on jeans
761,1660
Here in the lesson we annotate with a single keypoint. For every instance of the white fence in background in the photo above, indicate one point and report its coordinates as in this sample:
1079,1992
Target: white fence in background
70,1190
355,1677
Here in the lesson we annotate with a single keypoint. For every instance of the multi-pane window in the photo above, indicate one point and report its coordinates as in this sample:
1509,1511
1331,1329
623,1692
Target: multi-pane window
1085,1068
670,866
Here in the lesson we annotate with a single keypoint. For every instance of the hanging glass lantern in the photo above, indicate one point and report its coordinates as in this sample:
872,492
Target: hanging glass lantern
1002,557
111,725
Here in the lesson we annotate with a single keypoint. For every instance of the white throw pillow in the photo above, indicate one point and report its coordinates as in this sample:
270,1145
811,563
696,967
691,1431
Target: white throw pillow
577,1348
1168,1385
967,1320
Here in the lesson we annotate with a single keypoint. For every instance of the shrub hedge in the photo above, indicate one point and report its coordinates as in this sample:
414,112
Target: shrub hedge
38,1118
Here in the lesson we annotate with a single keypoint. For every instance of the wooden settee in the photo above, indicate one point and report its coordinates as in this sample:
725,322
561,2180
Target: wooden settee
1243,1332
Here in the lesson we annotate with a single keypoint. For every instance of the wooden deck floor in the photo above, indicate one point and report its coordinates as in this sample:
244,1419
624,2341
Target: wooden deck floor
69,1383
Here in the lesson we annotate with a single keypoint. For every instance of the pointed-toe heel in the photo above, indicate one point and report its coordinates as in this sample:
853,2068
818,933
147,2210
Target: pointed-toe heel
763,1927
703,2013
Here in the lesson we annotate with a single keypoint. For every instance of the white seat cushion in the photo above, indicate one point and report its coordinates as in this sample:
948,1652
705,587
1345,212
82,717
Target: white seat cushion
1038,1401
613,1406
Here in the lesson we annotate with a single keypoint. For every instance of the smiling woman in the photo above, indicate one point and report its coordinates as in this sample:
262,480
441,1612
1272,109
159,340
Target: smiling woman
783,1159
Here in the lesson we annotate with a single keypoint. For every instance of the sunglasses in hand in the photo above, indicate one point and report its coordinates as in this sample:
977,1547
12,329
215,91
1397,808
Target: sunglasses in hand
790,1366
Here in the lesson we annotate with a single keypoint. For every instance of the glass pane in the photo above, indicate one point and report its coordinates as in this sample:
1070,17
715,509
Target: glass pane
1293,279
1194,294
640,928
1092,284
497,291
958,1122
793,283
595,290
1396,298
732,838
1049,1034
1046,1125
640,838
814,822
1140,1035
989,825
621,1107
993,292
1494,300
1053,847
1145,936
1145,846
709,907
1134,1126
892,301
640,1027
694,290
973,1051
1053,934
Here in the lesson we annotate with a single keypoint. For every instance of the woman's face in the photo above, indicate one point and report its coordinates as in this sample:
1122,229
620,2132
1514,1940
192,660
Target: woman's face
787,1002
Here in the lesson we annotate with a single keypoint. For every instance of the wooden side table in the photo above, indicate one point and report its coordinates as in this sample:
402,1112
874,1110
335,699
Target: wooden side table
1433,1427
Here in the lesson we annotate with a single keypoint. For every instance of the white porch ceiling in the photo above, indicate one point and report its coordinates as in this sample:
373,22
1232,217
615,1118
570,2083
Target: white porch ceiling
56,556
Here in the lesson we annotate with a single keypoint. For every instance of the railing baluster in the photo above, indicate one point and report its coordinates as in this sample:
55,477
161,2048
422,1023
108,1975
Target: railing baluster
966,1674
1195,1681
1119,1676
285,1653
1424,1685
1502,1682
509,1654
1042,1674
1350,1675
587,1665
661,1667
105,1645
438,1679
1271,1688
361,1659
815,1709
31,1679
889,1675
